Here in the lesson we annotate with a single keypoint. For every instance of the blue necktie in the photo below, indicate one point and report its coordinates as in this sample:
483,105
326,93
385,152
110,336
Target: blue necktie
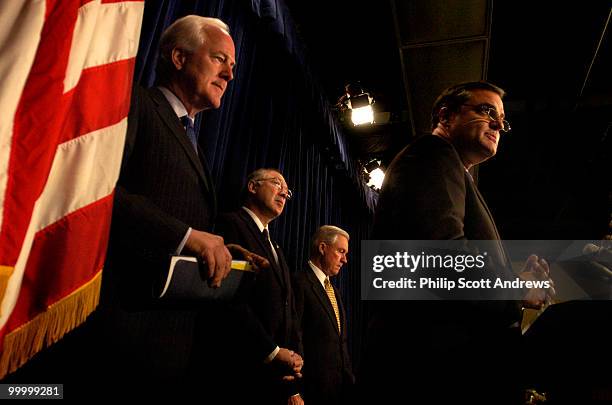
190,130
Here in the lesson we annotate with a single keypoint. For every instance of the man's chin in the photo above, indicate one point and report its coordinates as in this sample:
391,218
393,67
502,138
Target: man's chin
278,210
489,151
215,104
210,103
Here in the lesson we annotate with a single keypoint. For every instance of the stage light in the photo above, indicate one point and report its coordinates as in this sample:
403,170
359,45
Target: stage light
360,100
362,115
359,103
376,179
373,174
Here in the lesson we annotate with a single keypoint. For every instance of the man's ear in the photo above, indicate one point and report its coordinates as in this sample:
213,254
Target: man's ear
322,248
444,116
178,58
251,187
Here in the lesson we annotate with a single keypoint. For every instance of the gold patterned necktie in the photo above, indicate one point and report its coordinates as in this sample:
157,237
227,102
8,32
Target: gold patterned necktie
332,298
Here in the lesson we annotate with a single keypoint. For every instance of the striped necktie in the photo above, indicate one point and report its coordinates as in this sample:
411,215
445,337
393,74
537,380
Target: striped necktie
332,298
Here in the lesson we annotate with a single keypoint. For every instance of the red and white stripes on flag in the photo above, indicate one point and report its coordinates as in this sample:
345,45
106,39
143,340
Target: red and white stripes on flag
66,71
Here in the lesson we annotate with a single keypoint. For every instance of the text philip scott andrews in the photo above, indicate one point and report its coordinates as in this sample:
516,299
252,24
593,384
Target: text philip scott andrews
409,264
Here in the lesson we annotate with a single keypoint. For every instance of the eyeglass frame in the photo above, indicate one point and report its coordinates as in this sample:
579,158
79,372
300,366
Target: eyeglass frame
279,185
486,109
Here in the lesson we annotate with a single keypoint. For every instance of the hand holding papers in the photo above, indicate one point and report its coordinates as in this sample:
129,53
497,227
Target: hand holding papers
188,279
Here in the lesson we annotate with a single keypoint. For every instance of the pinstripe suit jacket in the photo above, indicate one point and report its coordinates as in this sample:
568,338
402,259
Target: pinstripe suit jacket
163,189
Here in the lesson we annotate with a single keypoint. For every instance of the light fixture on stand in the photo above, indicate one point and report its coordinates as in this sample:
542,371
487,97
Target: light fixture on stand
359,103
373,174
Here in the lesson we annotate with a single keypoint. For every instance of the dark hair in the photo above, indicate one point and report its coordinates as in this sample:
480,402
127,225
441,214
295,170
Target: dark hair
453,97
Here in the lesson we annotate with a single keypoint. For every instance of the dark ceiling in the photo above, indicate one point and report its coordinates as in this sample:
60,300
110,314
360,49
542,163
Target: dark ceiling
551,177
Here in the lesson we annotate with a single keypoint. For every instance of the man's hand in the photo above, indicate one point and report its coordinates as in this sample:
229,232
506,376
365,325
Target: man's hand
537,269
213,253
256,261
295,400
288,360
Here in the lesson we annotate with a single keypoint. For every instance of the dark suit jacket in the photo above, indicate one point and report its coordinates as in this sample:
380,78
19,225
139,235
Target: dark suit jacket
328,375
428,195
271,302
163,189
131,340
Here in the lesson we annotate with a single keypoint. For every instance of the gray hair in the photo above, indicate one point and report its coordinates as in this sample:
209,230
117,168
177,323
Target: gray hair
328,234
256,175
187,33
259,173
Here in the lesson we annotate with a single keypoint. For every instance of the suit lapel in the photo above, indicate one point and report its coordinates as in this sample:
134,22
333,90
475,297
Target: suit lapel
171,120
485,207
321,295
263,244
284,267
207,180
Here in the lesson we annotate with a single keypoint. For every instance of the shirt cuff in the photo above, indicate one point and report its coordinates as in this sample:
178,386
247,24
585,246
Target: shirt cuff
180,247
272,355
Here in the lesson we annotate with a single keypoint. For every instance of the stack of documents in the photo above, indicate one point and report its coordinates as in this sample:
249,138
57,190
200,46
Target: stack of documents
187,280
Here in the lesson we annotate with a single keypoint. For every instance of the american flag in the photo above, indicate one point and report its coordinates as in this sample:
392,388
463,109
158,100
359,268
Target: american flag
66,71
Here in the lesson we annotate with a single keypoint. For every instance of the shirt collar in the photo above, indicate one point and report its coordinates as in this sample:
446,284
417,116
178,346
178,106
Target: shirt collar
255,219
469,174
318,272
177,105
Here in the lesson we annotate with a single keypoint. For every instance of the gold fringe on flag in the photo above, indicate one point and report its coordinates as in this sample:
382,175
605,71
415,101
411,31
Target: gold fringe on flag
5,274
50,326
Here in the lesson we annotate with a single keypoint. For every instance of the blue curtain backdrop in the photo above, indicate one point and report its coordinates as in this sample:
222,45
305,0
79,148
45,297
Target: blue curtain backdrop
274,114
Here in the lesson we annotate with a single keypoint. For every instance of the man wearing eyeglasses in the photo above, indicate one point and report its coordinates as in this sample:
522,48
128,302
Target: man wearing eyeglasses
462,349
274,361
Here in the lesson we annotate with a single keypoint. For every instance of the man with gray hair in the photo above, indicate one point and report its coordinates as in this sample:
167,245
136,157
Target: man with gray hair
165,201
273,354
328,375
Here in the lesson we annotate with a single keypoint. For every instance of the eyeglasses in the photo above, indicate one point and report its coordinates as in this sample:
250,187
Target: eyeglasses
492,114
279,185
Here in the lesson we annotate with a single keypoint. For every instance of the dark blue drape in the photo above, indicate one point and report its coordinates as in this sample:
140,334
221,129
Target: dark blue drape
275,115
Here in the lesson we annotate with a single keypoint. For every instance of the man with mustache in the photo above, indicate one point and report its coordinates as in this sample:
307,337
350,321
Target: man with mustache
276,351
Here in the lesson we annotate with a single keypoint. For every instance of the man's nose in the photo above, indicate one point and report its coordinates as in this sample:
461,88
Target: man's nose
227,73
496,125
